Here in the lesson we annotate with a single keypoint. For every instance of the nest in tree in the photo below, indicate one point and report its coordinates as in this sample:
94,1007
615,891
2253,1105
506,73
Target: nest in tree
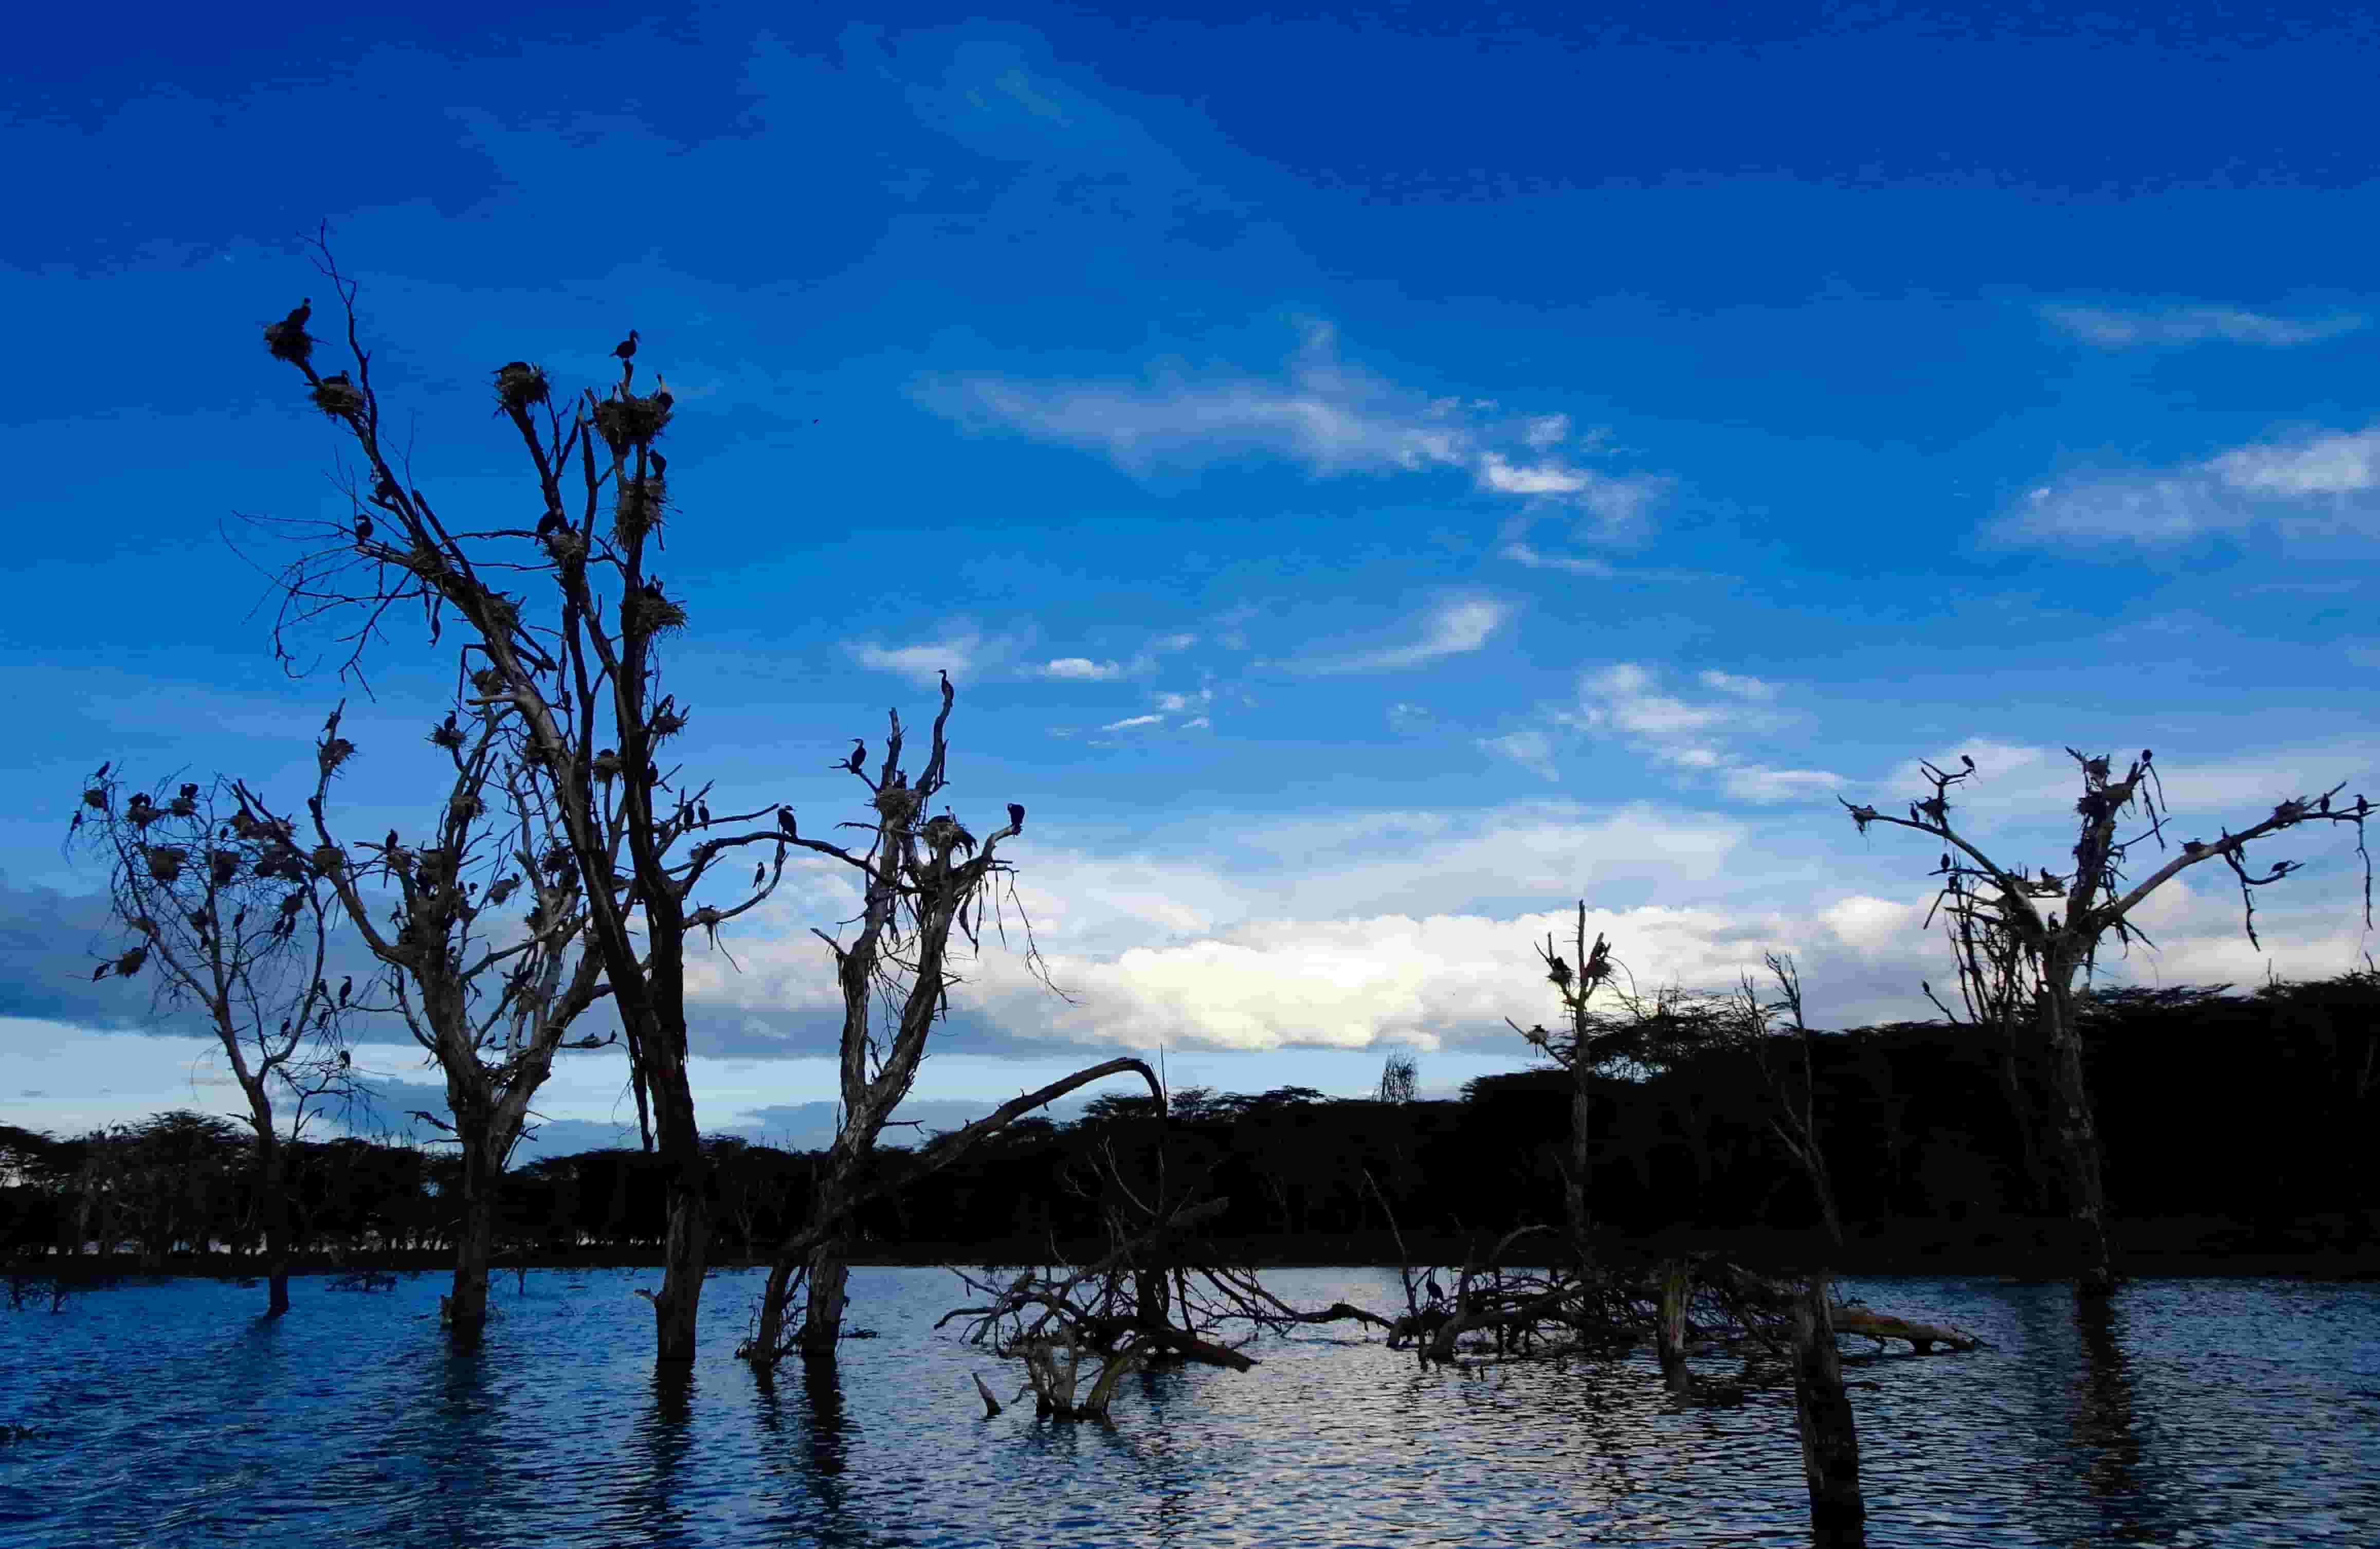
328,859
648,613
668,723
557,858
243,825
486,680
129,963
222,866
465,806
144,924
630,420
424,561
897,802
332,754
95,798
289,341
536,756
447,736
183,807
165,862
338,397
638,507
565,545
520,384
502,614
142,814
606,765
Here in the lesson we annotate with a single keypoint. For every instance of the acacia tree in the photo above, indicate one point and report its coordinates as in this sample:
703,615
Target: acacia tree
922,876
574,667
2018,906
216,901
489,1000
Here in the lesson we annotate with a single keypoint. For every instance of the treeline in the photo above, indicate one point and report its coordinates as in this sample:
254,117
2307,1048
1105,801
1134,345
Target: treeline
2253,1108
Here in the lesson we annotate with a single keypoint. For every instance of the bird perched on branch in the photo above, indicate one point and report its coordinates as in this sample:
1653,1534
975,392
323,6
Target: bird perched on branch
346,987
859,756
760,874
626,348
785,822
1016,815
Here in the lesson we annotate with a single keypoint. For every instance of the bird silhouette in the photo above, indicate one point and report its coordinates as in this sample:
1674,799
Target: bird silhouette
346,987
101,972
626,348
549,523
760,874
299,313
785,822
1015,815
1968,759
660,463
363,527
662,396
390,843
859,756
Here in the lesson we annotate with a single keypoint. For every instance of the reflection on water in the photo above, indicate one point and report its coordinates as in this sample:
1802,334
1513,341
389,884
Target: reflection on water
2181,1412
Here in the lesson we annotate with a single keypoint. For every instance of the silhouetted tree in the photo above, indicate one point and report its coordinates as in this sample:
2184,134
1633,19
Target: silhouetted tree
231,919
575,668
2055,952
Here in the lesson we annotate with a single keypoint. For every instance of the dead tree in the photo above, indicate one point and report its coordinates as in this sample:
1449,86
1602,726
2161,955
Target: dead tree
221,906
574,664
1787,1073
1574,1050
2059,950
488,996
1161,1292
1997,991
922,875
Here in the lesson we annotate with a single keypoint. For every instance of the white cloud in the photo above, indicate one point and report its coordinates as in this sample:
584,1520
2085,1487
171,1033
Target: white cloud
1131,720
2111,328
1448,629
966,652
1175,704
1332,417
1080,669
2317,481
1529,747
1742,687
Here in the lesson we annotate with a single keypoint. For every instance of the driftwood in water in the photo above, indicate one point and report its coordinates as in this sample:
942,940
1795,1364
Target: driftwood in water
1880,1326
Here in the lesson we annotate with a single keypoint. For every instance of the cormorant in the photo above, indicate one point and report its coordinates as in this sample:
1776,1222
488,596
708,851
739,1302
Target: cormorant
338,379
626,348
662,396
785,822
346,987
760,874
102,770
660,463
549,523
363,526
2144,756
702,813
390,843
1968,758
858,755
1946,860
299,314
1015,815
346,1059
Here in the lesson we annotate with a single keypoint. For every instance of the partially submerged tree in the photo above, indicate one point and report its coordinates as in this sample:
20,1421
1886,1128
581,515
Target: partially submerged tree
1575,1049
488,996
574,666
922,875
223,911
2054,954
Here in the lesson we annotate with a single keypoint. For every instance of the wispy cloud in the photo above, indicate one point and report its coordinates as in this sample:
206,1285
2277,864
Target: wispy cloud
1628,701
1128,722
1078,669
1330,417
1448,629
966,652
2114,328
1530,748
2319,479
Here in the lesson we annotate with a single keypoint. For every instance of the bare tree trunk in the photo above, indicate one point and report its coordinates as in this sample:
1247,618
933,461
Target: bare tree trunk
273,1169
2078,1134
1672,1333
830,1271
686,1255
1575,1209
1830,1436
475,1228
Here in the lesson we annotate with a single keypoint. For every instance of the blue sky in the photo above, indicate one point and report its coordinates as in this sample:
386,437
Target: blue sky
1375,482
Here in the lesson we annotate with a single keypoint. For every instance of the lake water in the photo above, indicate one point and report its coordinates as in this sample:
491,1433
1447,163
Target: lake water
2211,1413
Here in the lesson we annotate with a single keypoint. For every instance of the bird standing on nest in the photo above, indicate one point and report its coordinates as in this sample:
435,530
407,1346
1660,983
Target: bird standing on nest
299,313
626,348
662,396
660,463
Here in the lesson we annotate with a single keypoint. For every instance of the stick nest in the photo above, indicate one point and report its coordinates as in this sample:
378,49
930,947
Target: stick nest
222,866
638,508
289,341
338,397
165,862
332,754
650,613
129,963
897,802
630,420
520,384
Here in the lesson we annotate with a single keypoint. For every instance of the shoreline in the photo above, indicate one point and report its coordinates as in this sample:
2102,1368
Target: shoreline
2341,1248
